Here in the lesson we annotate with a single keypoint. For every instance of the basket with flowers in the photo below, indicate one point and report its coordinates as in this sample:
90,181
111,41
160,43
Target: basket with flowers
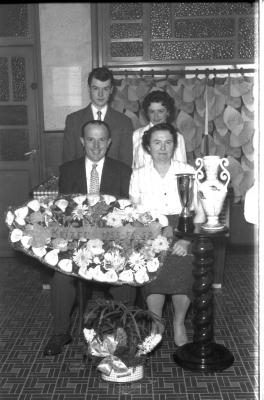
119,338
94,237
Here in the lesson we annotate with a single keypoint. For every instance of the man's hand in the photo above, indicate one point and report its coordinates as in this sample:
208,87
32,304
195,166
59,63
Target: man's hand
180,248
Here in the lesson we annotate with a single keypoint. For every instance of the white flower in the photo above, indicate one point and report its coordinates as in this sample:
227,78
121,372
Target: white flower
89,334
39,251
16,235
62,204
65,265
98,275
96,260
114,260
34,205
153,265
21,212
160,244
108,198
86,273
79,199
124,203
130,214
126,276
141,276
163,220
149,343
110,276
136,260
9,218
93,199
20,221
114,219
82,257
95,246
26,241
52,257
79,211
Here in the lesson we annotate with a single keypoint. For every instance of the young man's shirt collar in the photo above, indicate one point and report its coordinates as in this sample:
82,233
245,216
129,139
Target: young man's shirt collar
95,110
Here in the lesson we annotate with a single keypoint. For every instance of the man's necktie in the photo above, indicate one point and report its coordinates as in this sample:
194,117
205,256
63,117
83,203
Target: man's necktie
99,113
94,180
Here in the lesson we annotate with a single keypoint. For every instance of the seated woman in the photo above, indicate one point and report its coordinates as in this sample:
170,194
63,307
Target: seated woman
158,107
154,186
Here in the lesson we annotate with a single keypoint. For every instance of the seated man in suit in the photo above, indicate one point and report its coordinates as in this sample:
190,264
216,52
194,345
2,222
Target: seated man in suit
77,176
101,85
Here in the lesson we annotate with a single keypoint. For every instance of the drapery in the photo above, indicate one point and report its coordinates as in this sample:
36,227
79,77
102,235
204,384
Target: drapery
230,117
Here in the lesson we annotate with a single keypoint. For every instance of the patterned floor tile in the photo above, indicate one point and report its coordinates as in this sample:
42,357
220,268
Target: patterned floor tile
26,323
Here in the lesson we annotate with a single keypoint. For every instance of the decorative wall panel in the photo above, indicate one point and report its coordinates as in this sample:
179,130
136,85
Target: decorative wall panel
13,115
13,144
194,33
204,28
127,49
194,9
19,78
4,87
121,31
160,18
126,11
192,51
14,20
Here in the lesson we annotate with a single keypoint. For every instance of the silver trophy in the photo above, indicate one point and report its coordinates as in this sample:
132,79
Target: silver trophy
185,189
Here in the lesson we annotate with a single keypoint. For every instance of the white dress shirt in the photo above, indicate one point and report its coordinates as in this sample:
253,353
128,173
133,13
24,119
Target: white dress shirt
88,169
141,157
95,111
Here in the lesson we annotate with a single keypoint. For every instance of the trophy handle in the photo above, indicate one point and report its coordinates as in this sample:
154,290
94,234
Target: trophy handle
225,174
199,174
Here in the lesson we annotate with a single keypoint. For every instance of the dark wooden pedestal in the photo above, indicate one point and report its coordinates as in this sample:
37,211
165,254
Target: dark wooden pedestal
203,354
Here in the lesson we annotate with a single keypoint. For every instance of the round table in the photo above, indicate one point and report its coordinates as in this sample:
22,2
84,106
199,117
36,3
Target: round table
203,354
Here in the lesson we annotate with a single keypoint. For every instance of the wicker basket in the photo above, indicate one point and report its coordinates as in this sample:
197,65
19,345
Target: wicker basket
133,374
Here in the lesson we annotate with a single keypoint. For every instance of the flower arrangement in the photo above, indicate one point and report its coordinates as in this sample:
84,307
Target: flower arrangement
93,237
119,338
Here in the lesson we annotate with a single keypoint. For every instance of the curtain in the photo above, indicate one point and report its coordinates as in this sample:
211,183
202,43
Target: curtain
230,117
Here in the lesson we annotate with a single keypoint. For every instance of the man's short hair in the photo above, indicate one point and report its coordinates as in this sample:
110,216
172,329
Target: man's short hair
96,122
102,74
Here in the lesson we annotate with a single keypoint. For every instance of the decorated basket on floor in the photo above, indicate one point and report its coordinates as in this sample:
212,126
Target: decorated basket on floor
93,237
119,338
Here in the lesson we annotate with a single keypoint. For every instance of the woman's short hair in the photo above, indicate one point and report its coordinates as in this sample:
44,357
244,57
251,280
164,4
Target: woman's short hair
96,122
158,96
159,127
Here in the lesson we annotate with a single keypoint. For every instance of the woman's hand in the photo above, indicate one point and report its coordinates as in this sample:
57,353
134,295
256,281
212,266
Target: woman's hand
180,248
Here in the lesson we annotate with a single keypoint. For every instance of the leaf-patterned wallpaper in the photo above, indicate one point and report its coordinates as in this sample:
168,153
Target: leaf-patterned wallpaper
230,114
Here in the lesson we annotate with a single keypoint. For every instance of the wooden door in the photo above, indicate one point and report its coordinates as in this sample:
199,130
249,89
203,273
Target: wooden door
19,136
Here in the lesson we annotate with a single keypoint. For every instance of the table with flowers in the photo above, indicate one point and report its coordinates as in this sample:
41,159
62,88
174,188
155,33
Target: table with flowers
103,239
94,237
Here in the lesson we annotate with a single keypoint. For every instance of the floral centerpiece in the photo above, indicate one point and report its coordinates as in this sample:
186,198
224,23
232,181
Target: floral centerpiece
93,237
119,339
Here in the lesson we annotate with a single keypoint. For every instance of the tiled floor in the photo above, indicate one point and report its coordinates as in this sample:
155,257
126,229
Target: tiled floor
25,326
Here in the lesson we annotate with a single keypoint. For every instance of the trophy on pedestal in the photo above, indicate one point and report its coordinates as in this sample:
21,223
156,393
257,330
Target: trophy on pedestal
185,188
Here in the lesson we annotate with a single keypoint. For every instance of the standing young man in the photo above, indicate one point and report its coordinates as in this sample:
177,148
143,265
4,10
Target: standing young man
101,85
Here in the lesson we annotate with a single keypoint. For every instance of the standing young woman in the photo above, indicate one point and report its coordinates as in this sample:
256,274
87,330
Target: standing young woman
158,107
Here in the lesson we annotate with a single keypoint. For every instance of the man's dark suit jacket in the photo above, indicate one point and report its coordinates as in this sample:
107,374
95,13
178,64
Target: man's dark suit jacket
115,178
121,127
